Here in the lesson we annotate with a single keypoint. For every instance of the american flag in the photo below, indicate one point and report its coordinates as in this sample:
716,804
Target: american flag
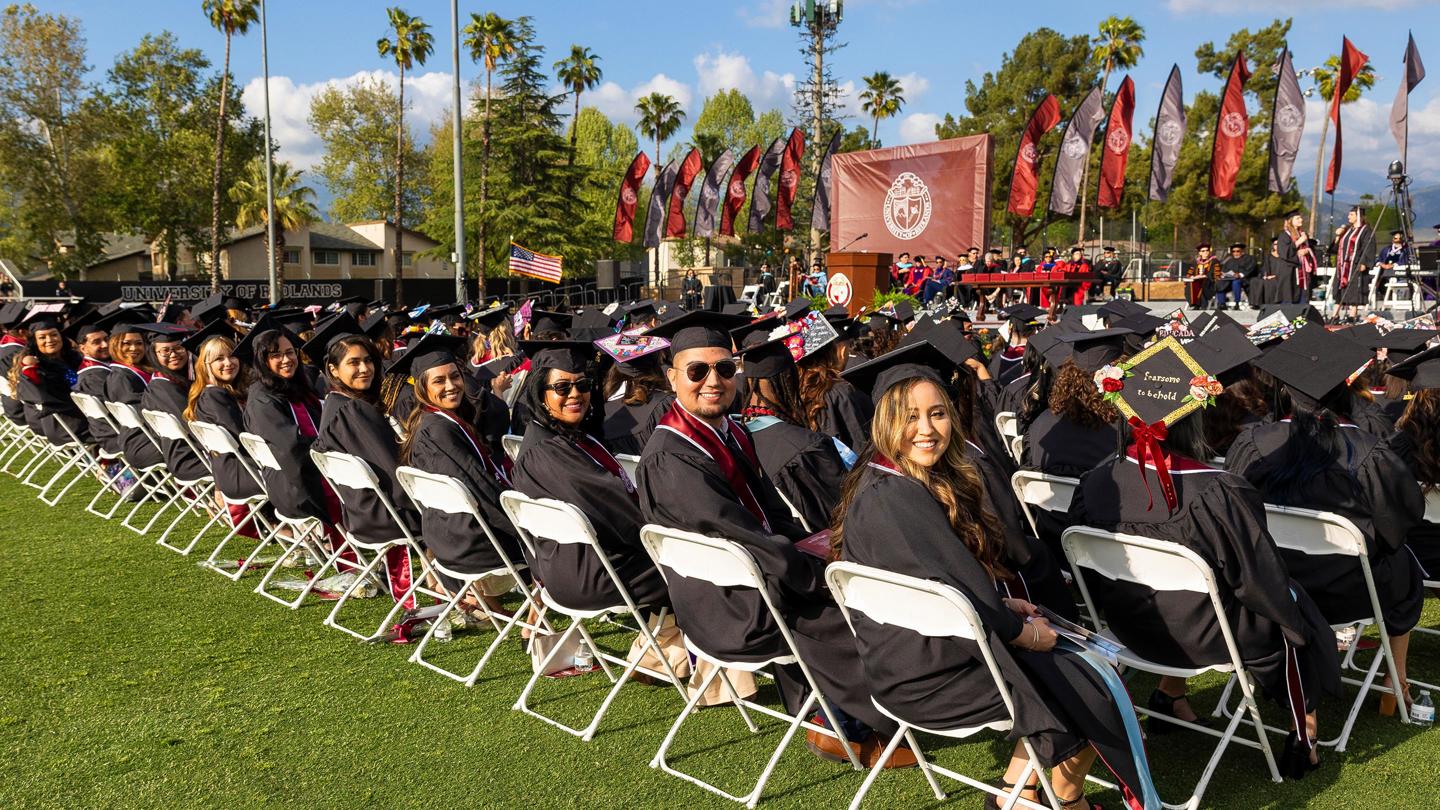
526,262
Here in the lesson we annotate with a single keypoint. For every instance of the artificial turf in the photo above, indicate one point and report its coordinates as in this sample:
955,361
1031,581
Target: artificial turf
130,677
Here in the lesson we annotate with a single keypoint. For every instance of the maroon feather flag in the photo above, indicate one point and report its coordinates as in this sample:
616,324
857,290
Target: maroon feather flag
1117,145
689,169
735,190
789,179
629,196
1026,179
1352,61
1232,127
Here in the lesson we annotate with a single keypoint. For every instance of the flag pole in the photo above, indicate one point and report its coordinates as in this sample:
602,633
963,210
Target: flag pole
269,170
459,256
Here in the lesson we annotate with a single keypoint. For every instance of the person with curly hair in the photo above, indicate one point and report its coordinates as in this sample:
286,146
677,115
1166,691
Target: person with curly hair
1079,429
42,377
1418,443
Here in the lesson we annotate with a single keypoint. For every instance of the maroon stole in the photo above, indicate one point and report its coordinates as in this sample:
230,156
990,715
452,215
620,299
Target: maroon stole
1308,263
711,443
591,447
89,363
11,340
496,471
1349,244
143,375
883,464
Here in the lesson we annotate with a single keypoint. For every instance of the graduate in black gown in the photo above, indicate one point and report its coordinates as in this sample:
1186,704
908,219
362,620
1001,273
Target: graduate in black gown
833,406
1316,459
127,383
93,340
217,397
169,392
1418,443
561,458
1079,430
1022,321
700,473
44,375
12,343
1162,488
637,395
916,507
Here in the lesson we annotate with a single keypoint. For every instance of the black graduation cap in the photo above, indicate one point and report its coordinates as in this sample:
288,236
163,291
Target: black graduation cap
572,356
640,310
591,319
245,349
1201,323
337,326
12,313
443,311
1042,341
760,326
1421,370
1314,362
1141,323
82,326
882,322
1022,313
1088,350
1120,308
490,318
767,358
164,332
904,312
216,307
797,308
916,360
433,349
837,312
1402,343
1224,353
699,329
121,321
170,313
215,327
1292,312
737,308
374,324
1164,383
951,340
1223,321
1366,334
922,329
547,321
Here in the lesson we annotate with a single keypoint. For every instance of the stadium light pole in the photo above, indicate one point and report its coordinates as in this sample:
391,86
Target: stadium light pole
269,155
459,255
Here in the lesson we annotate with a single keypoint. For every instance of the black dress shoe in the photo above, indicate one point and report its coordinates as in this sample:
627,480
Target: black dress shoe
1295,760
1161,703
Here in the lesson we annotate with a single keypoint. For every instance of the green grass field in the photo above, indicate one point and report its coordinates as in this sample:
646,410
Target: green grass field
133,678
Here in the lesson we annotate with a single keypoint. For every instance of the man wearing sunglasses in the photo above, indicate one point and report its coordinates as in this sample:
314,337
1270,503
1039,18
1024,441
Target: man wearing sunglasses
700,472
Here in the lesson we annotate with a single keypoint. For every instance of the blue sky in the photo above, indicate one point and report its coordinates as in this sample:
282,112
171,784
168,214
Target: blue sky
691,49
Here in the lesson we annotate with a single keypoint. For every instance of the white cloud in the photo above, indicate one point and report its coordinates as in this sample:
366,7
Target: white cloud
1246,6
765,13
1369,146
918,128
427,100
718,70
913,85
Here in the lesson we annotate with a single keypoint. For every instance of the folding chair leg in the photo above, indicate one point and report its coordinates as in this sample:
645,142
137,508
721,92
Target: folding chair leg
70,462
89,467
300,541
190,507
366,572
880,766
194,541
262,528
151,488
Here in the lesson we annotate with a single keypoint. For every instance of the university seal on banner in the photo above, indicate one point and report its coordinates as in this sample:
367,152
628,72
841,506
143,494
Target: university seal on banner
736,189
907,206
1288,118
1074,147
1170,133
1233,124
627,195
839,291
1030,154
1117,140
789,178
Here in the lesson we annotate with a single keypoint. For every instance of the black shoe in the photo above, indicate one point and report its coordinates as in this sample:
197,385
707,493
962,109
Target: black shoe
1294,760
1161,703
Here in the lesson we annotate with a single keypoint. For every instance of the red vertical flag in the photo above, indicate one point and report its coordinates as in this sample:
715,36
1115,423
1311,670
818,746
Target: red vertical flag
789,179
1026,179
629,195
1117,146
735,190
1352,61
689,169
1232,127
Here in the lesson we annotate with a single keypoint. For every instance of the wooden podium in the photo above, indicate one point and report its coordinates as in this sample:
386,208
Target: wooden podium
865,274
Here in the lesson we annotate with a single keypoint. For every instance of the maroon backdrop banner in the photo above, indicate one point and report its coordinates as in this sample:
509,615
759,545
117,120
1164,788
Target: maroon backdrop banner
927,198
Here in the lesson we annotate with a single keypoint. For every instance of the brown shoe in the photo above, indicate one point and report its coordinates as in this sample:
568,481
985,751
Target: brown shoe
828,748
873,747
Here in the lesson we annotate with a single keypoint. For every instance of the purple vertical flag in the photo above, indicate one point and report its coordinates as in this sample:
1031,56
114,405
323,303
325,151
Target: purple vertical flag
710,194
1169,134
820,211
659,209
1400,112
1075,152
760,199
1287,124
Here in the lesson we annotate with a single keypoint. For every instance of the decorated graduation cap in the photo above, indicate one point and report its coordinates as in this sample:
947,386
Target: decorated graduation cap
571,356
888,370
216,307
432,350
740,335
1314,362
490,318
12,313
1421,370
1088,350
1402,343
805,336
214,328
700,329
1153,391
337,326
627,347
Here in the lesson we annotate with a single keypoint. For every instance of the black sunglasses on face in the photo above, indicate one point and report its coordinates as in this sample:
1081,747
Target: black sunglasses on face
563,387
697,372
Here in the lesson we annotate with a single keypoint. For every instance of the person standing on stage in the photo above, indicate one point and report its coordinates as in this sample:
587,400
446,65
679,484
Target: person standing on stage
1297,251
690,290
1111,272
1354,256
1393,254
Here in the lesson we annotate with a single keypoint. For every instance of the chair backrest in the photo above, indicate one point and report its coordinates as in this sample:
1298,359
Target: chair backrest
1432,505
126,415
5,388
556,521
1008,424
165,425
628,463
214,439
91,406
712,559
1016,447
1157,564
345,470
927,607
1033,489
259,449
511,443
1312,532
439,492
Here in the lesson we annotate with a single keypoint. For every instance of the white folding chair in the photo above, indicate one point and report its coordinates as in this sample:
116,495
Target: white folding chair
628,463
939,611
559,522
218,442
511,444
169,428
1327,534
95,411
725,564
1037,490
1163,566
1007,424
155,480
306,532
79,462
1432,515
1016,447
346,472
446,494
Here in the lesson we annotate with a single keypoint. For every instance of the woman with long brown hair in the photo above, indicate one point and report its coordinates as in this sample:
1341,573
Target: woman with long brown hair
217,396
1418,442
916,507
833,406
1080,429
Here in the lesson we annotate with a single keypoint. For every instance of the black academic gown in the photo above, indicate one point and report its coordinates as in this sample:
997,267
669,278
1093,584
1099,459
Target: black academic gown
440,445
1424,539
1006,365
1058,446
296,489
847,415
90,379
681,487
895,524
1278,630
551,465
1368,483
14,411
216,406
168,396
126,385
48,394
1357,291
804,465
627,428
349,425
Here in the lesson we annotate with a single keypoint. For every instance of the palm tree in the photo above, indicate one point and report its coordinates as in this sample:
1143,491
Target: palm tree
229,17
580,71
294,206
411,46
660,117
882,98
1325,77
491,40
1117,45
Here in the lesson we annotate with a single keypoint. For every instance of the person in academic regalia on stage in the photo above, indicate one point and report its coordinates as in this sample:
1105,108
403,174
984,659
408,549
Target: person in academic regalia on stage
700,472
127,383
1315,458
916,507
1162,488
44,375
1418,443
169,392
1354,260
561,458
93,339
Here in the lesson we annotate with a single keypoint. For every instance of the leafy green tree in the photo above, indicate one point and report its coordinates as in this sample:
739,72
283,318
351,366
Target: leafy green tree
580,71
294,206
410,46
1116,45
660,117
356,126
229,17
729,117
856,140
491,40
1325,77
882,98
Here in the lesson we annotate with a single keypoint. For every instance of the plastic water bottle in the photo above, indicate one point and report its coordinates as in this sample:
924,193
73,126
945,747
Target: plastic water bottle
584,660
1422,711
443,632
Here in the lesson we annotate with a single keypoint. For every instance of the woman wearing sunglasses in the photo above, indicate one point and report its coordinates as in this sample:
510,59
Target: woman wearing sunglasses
562,459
